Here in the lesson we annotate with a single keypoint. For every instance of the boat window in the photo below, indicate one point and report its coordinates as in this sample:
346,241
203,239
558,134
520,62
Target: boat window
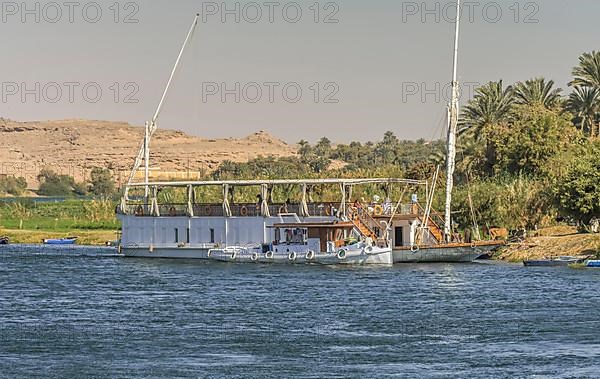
299,236
291,236
212,236
176,235
187,235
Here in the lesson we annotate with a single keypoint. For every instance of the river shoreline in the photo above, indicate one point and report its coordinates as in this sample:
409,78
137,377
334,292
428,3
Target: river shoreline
550,242
85,237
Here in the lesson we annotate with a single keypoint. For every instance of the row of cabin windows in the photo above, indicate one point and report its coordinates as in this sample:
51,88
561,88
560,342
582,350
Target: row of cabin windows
399,236
187,235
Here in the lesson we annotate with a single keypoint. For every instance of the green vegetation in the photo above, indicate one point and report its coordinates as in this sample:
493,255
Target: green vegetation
527,155
578,191
60,216
12,186
86,237
94,221
584,103
101,183
52,184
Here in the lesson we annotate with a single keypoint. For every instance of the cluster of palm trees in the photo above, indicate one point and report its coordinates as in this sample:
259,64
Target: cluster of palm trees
493,103
584,102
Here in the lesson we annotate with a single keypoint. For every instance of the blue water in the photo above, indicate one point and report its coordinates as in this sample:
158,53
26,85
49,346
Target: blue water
86,313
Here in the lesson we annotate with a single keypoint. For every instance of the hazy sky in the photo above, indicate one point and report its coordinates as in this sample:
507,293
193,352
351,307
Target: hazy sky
382,66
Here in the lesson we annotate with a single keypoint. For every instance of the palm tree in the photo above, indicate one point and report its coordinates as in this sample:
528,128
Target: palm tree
386,149
491,104
304,148
584,104
587,73
538,92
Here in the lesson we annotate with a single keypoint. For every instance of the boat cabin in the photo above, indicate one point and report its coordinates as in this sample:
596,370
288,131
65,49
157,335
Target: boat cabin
318,237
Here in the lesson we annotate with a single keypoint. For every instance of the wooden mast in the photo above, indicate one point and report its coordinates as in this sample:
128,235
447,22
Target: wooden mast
452,129
150,128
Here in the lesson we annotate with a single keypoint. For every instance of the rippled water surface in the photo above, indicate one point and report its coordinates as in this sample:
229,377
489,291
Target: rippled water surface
79,312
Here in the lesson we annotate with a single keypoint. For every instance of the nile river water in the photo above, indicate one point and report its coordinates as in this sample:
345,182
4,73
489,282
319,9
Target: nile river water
86,313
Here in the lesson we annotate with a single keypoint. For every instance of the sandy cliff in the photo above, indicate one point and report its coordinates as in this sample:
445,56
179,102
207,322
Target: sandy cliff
74,147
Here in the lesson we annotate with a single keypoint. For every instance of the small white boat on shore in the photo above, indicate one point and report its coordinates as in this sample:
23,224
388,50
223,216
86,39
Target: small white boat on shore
592,263
352,255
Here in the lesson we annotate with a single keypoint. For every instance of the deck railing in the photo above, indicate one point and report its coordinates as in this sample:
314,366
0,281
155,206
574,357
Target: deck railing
216,210
323,209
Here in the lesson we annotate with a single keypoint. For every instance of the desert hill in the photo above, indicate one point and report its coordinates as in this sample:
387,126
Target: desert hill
74,147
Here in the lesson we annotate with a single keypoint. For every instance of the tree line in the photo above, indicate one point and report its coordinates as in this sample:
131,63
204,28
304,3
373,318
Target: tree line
527,154
101,184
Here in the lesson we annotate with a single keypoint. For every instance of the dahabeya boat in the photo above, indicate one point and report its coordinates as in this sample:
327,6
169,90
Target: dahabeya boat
300,231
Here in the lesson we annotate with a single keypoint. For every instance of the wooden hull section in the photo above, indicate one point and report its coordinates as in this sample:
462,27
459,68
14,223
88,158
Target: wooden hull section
452,253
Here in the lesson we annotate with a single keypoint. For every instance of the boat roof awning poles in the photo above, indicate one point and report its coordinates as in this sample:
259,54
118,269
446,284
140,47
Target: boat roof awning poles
342,211
264,206
155,208
226,207
249,183
303,203
190,201
346,187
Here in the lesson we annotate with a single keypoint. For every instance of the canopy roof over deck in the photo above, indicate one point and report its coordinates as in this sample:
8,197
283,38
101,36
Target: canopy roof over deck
246,183
345,184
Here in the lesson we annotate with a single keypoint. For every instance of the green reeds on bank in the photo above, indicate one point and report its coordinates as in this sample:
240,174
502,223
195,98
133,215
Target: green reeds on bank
29,222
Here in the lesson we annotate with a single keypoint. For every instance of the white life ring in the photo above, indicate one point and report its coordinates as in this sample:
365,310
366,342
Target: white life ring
292,257
254,257
415,248
269,255
341,255
310,255
234,255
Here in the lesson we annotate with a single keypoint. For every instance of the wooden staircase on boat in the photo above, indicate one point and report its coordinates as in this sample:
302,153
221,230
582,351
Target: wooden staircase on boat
434,229
364,229
367,226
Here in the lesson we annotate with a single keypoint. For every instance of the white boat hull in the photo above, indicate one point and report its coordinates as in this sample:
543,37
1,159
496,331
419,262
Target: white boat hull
377,256
463,254
166,252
